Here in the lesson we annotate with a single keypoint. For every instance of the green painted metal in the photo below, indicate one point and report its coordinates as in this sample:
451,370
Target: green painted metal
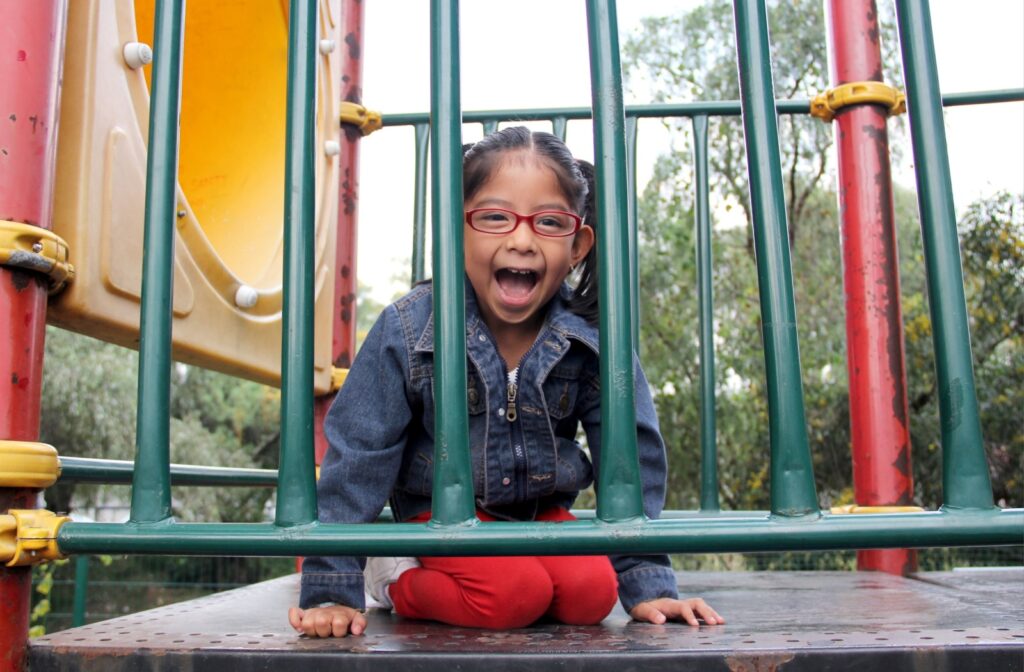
453,502
151,486
81,590
965,475
705,298
296,491
706,534
792,484
558,127
91,470
419,214
619,492
634,248
717,108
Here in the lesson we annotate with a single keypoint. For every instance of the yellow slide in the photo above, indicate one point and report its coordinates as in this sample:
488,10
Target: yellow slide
229,245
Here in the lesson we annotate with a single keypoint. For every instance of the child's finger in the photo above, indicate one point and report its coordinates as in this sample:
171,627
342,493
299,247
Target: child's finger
709,615
295,618
358,625
648,612
687,613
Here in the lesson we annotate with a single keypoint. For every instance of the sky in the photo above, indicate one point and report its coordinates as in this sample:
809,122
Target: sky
533,53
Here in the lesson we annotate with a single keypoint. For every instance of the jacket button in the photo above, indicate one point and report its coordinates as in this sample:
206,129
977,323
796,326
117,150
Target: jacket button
506,481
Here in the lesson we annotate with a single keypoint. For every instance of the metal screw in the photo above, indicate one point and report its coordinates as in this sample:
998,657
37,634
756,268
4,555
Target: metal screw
37,247
326,46
137,54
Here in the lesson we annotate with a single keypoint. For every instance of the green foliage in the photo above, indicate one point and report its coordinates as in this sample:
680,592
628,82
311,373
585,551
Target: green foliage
89,408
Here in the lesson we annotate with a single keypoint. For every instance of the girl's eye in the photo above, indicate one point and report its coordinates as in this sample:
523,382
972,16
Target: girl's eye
553,222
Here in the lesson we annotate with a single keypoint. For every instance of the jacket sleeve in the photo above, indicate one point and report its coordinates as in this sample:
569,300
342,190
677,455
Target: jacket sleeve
366,433
641,577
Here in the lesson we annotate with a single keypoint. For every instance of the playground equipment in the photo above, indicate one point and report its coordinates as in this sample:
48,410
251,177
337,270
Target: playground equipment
209,265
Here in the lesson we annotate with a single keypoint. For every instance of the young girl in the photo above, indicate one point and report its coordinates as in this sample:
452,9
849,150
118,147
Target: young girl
532,345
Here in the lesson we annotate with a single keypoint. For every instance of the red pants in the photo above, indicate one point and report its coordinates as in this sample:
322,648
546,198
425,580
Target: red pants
508,592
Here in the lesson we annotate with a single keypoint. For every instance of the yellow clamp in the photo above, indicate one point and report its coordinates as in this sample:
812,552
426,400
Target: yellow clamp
24,464
853,508
337,378
29,536
36,249
368,121
825,105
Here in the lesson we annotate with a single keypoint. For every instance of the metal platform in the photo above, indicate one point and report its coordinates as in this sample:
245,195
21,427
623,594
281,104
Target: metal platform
960,620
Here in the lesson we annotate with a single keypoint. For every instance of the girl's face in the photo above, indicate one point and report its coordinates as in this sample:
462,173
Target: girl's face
515,274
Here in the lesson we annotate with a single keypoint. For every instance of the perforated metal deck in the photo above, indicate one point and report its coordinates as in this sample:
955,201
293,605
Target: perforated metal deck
961,620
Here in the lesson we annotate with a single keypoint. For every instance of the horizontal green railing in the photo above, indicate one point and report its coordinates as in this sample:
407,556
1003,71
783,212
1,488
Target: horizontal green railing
794,523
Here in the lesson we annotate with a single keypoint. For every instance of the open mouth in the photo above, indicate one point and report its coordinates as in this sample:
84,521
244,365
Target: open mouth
516,283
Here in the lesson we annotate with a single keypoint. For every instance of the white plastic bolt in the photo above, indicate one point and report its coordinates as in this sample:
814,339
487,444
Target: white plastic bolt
137,54
246,296
326,46
332,148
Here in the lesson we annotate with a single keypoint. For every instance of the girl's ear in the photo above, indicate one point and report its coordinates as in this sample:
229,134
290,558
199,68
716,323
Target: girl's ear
581,244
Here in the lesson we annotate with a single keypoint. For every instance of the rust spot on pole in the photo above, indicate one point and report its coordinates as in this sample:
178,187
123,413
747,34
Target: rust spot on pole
352,40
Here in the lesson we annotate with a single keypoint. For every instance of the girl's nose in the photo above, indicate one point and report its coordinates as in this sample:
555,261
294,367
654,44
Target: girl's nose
521,238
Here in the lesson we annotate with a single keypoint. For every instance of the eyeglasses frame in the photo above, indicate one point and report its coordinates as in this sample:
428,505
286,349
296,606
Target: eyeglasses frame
530,219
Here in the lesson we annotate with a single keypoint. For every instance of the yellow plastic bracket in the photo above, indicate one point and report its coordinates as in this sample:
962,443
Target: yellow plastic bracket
338,378
29,536
28,465
368,121
853,508
36,249
825,105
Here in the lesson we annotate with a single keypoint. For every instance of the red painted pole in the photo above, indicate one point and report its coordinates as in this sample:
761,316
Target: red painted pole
874,320
31,46
343,339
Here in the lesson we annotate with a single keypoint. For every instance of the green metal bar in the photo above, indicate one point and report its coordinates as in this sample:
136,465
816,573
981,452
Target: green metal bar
151,487
89,470
792,484
707,534
619,491
296,491
490,126
558,127
631,209
705,295
453,478
718,108
81,590
965,476
419,215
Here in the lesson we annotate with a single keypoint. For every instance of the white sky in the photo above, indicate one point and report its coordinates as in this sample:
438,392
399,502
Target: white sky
533,53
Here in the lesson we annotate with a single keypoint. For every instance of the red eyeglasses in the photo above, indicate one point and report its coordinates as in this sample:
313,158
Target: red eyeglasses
547,223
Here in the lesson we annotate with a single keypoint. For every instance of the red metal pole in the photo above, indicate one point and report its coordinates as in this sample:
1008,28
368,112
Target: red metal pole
343,341
874,320
31,46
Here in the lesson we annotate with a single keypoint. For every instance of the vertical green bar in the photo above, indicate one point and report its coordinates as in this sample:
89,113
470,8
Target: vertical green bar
965,476
419,215
558,127
81,590
151,481
619,491
296,485
705,291
792,477
453,476
634,252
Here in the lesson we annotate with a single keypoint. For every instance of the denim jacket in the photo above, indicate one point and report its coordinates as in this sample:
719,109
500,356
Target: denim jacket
380,431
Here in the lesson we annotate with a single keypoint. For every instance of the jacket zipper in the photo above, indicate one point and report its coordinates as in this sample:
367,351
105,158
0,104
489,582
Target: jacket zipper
513,389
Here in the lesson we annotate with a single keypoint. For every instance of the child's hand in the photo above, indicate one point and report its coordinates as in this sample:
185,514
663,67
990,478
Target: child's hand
336,621
658,611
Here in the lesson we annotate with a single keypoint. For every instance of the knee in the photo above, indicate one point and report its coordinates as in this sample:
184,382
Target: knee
521,598
587,597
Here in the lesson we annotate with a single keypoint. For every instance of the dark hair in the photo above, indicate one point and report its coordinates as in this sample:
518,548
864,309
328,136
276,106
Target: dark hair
575,179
